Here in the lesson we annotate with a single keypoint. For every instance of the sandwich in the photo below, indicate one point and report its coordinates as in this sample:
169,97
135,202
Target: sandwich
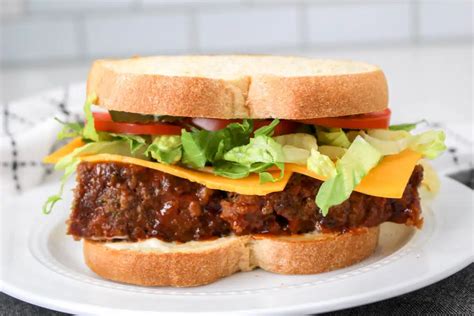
191,168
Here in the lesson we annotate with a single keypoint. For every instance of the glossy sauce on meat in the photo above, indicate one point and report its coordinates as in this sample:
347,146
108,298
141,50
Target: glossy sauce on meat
123,201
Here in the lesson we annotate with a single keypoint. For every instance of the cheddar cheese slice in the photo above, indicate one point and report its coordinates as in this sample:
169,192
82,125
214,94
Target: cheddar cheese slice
250,185
63,151
388,179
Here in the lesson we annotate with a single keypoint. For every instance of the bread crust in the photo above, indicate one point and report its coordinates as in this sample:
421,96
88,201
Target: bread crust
179,269
300,254
245,96
306,255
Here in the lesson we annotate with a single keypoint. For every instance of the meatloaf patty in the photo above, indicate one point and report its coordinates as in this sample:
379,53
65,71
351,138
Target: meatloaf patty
123,201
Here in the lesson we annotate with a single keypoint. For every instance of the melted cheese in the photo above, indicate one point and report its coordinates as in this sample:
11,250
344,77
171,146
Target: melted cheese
388,179
249,185
63,151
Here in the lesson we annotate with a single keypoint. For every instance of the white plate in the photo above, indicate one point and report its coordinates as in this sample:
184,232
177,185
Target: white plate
41,265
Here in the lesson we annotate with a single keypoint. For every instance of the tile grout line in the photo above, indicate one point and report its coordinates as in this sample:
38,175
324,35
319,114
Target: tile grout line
415,21
324,47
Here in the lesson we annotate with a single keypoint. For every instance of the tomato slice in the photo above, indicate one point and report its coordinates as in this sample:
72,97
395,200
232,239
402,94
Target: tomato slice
103,122
284,127
361,121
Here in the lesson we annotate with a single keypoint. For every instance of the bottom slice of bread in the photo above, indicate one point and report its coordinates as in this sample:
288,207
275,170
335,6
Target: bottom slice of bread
157,263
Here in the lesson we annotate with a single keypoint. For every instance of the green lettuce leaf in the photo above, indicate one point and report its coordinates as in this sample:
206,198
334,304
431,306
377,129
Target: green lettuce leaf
405,127
259,149
194,146
321,164
203,146
333,152
53,199
231,169
268,129
387,146
166,149
385,134
236,170
332,137
69,130
268,177
135,142
430,144
262,152
359,159
89,131
297,147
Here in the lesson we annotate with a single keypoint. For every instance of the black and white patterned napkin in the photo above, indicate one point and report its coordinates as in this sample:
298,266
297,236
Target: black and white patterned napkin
28,133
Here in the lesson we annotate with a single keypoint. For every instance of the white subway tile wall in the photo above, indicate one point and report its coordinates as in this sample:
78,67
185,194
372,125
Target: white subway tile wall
360,23
446,20
194,3
11,7
76,6
44,31
34,39
136,34
248,28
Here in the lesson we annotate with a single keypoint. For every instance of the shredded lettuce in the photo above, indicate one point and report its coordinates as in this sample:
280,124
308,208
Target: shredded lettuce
259,149
194,148
231,170
386,147
76,129
268,177
89,131
332,137
385,134
53,199
405,127
359,159
333,152
204,146
69,130
297,147
135,142
321,164
166,149
260,153
267,130
430,144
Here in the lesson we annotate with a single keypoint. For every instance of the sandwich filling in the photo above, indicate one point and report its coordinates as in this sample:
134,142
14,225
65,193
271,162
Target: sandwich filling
183,179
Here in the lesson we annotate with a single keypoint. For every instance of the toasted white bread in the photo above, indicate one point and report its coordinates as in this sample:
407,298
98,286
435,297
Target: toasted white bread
157,263
238,86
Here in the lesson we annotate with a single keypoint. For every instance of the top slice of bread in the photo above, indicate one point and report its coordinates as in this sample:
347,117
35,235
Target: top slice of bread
238,86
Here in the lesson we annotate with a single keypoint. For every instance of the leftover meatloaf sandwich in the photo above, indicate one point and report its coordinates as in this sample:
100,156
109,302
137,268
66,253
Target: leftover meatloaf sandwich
191,168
